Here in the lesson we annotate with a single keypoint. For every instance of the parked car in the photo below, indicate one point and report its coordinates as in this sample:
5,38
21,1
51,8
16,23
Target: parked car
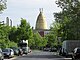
53,49
8,52
20,51
68,46
16,50
76,54
60,51
46,49
1,55
25,50
29,50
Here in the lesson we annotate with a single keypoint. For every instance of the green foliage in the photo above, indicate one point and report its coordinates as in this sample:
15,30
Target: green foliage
2,43
7,44
2,5
68,19
31,43
12,44
4,37
44,42
24,31
51,40
4,31
12,34
38,41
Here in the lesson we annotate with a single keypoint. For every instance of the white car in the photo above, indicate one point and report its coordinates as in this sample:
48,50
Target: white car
8,52
1,55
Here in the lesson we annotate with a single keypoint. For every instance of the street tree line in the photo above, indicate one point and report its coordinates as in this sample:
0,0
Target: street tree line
11,36
67,21
66,26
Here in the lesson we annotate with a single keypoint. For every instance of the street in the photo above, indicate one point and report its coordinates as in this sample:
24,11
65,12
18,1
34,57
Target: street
40,55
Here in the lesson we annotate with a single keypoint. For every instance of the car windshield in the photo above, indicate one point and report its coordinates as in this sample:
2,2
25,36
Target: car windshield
5,50
24,49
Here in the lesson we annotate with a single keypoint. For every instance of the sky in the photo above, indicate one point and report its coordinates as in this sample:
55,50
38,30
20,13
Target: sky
29,10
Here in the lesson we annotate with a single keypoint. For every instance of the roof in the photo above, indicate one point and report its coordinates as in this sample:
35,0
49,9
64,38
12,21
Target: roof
41,21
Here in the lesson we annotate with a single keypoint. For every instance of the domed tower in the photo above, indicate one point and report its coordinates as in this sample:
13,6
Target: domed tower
41,23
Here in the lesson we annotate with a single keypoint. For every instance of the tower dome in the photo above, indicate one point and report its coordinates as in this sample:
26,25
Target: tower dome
41,21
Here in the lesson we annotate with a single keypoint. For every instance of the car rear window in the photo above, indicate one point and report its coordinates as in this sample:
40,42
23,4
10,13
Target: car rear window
5,50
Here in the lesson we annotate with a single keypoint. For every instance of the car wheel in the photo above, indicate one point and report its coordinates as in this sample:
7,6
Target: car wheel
9,57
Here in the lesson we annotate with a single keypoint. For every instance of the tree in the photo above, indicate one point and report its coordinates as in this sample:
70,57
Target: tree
12,34
38,41
4,37
24,31
4,31
52,39
68,18
2,5
31,43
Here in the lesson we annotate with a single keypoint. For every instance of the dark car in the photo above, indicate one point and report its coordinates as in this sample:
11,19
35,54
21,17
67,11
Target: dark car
76,54
53,49
8,52
1,55
46,49
20,51
16,50
25,50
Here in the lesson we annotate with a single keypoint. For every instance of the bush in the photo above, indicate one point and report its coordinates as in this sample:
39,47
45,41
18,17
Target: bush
7,43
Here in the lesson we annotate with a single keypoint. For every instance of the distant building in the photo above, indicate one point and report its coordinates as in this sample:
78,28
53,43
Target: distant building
8,21
41,24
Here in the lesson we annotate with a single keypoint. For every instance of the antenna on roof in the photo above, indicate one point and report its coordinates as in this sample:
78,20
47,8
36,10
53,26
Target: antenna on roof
41,9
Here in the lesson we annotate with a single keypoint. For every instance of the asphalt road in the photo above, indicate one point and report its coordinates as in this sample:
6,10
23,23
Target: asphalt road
41,55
